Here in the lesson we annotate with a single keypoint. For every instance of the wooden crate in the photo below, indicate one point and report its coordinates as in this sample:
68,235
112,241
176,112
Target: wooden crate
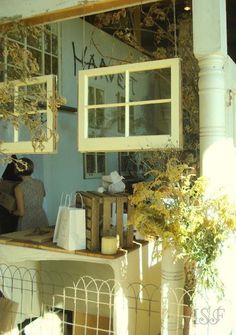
99,217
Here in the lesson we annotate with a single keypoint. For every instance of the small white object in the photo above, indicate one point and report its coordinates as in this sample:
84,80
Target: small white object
116,187
101,189
109,245
115,177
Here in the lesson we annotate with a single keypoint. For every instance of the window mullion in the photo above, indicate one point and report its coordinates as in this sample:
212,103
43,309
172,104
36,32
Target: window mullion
126,103
96,162
15,129
84,90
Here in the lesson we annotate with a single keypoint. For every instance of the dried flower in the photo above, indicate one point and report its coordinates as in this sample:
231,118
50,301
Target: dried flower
173,208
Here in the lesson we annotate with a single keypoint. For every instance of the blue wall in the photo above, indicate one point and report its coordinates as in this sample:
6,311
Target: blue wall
63,171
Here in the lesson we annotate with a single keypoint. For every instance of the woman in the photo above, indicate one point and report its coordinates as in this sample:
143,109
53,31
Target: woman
29,196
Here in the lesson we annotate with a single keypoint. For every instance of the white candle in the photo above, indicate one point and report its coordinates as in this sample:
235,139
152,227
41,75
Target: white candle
109,245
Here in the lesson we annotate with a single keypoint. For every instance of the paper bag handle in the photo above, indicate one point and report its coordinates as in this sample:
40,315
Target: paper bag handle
82,200
67,200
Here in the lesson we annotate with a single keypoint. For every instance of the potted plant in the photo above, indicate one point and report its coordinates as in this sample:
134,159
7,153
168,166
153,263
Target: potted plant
175,209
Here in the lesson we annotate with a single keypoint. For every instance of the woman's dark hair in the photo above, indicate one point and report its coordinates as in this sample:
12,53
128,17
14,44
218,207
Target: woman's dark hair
10,172
24,167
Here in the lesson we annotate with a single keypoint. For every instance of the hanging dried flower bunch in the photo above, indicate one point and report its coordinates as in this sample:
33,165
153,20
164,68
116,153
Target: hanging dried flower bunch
162,32
22,99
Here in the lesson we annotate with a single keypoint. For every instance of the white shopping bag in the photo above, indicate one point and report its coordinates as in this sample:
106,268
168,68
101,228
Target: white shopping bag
70,230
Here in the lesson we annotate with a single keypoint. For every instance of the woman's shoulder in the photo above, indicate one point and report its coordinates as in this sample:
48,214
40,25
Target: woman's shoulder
32,182
38,183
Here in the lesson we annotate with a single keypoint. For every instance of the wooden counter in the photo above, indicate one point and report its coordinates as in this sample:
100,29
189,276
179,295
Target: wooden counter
10,240
50,246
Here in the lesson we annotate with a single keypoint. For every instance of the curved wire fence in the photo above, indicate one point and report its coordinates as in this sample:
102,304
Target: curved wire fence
36,302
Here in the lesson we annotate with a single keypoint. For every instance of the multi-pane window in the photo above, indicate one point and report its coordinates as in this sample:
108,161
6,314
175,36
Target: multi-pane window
140,107
94,164
27,121
127,164
44,49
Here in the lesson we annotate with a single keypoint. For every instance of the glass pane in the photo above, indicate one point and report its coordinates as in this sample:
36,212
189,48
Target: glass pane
48,27
47,42
150,85
24,133
54,65
91,95
1,75
110,84
90,163
34,129
32,97
1,72
101,162
121,120
153,119
1,53
16,35
47,59
38,56
54,28
96,118
99,96
54,45
11,47
35,40
128,164
106,122
7,101
13,73
6,131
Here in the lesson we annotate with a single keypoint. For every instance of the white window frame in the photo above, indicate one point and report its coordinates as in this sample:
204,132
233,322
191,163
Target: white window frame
130,143
26,147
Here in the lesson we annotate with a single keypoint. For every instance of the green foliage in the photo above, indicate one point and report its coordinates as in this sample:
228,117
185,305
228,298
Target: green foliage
175,208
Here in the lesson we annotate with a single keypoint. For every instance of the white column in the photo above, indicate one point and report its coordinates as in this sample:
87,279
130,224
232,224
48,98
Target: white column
210,48
216,150
212,115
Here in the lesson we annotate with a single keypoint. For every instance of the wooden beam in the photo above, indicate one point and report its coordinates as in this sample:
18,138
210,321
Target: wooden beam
85,9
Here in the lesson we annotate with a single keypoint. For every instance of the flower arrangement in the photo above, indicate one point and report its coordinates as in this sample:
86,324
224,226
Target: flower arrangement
173,207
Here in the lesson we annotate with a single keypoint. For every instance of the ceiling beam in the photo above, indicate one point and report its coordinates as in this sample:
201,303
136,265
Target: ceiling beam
84,9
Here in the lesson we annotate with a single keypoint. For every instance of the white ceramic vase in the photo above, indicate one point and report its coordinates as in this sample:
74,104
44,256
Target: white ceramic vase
172,285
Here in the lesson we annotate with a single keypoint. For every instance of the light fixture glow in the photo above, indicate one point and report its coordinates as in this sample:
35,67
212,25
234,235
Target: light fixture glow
187,6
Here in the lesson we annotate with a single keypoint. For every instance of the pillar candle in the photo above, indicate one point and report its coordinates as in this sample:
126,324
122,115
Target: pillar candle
109,245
